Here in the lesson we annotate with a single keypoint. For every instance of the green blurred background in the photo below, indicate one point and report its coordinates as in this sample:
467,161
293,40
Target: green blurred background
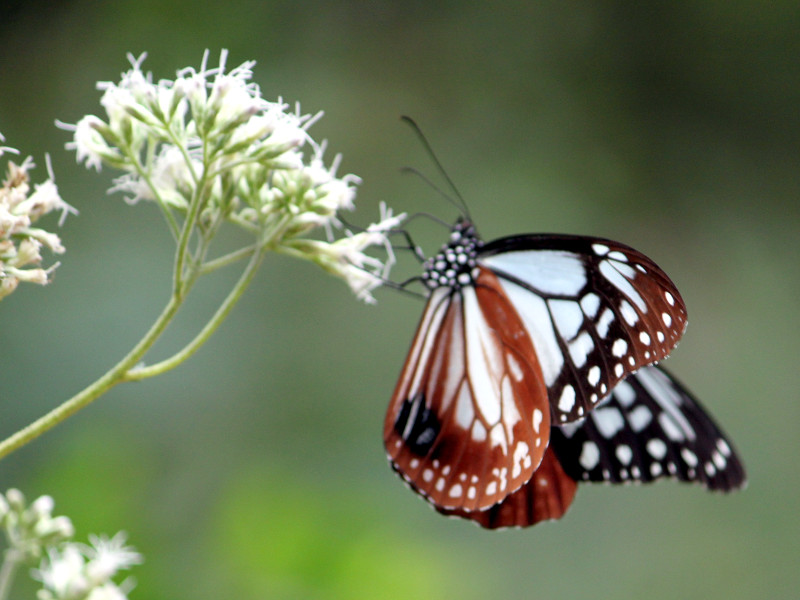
256,470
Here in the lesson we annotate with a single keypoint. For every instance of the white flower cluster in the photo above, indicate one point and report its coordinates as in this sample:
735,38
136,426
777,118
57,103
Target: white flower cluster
20,241
31,529
76,571
209,146
67,570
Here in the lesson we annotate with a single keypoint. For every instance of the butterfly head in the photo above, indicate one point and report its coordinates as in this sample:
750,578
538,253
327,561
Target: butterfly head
455,265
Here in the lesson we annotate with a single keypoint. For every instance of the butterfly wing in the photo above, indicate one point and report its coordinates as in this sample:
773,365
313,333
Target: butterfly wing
650,427
546,496
469,420
596,311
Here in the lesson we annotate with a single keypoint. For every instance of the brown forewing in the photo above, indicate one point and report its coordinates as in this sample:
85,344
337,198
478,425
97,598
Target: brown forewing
469,420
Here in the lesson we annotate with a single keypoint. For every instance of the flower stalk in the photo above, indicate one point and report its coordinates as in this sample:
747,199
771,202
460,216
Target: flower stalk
211,152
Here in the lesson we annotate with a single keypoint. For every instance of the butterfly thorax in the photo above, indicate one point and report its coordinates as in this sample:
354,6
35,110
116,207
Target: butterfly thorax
455,266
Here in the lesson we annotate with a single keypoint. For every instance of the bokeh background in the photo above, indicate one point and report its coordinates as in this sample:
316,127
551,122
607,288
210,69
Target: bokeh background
256,470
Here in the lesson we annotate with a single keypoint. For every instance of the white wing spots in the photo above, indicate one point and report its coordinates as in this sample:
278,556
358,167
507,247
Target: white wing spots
617,255
593,376
670,427
568,317
660,336
640,418
498,437
455,368
510,412
478,431
710,470
501,475
484,358
689,457
536,318
471,492
414,463
625,393
570,428
600,249
656,383
440,484
590,455
619,370
427,475
537,419
612,273
605,321
522,459
491,488
624,270
723,447
431,321
567,400
628,313
550,272
669,298
608,421
719,460
666,318
656,448
655,469
590,304
619,348
580,348
513,366
465,413
624,454
456,491
644,338
412,416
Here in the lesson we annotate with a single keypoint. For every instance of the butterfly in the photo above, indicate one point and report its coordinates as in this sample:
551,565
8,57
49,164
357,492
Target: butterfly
532,369
650,427
519,334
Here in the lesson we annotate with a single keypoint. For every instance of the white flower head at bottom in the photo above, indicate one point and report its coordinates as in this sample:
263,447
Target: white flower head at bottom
80,571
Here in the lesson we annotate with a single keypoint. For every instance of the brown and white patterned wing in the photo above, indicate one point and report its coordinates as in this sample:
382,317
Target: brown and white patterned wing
547,496
469,420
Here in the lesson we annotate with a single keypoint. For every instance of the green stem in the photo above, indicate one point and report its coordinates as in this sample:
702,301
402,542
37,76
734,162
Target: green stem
7,571
224,261
227,305
93,391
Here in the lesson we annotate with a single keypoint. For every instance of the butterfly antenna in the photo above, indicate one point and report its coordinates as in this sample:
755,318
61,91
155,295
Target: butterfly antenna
461,204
